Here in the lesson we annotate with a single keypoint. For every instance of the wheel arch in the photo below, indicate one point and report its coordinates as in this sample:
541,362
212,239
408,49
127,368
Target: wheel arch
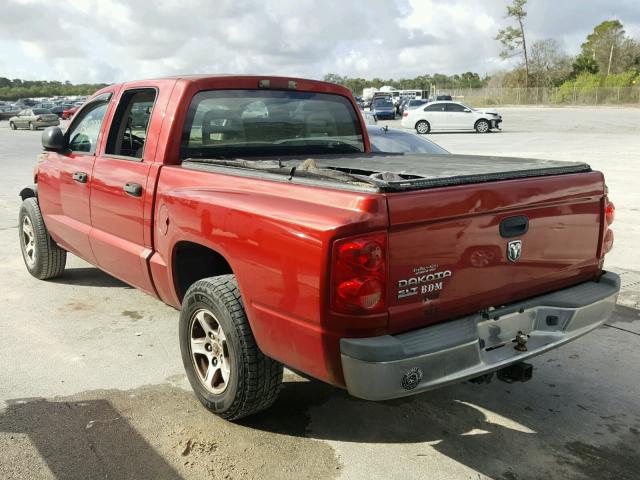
192,261
30,191
475,124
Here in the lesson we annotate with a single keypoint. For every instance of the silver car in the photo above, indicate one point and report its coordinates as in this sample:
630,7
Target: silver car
34,118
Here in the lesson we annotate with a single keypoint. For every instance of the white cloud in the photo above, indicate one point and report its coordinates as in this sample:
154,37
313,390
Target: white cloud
115,40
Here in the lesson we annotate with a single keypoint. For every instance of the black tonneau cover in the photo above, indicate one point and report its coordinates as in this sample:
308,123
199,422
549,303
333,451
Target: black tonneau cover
392,172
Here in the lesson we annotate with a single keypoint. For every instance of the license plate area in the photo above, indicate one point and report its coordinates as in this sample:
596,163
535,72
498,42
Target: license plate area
498,333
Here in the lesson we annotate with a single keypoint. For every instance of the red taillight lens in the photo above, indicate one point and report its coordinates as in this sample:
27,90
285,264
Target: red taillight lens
609,212
405,114
358,280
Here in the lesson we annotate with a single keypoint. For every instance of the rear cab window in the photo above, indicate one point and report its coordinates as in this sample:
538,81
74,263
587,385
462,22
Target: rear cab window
254,123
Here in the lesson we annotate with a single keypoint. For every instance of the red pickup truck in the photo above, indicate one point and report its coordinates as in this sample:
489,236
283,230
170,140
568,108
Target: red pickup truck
255,206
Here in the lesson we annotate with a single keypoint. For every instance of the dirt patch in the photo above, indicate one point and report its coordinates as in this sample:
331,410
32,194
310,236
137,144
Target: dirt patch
153,432
132,314
78,307
608,462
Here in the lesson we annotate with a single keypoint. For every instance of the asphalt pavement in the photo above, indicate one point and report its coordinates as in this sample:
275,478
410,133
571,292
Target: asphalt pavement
92,385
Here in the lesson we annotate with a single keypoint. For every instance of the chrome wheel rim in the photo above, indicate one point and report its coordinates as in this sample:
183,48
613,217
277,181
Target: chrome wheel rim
422,127
483,127
209,351
28,242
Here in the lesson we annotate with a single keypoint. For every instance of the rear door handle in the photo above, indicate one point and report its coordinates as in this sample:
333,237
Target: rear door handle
133,189
80,177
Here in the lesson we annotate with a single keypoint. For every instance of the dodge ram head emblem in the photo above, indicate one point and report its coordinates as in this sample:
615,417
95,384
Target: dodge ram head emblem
514,250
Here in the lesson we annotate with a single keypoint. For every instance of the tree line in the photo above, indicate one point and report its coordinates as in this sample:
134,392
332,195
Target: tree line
608,58
16,88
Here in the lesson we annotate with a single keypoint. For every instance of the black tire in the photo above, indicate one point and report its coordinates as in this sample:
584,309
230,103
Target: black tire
12,125
48,259
32,126
482,126
423,127
254,379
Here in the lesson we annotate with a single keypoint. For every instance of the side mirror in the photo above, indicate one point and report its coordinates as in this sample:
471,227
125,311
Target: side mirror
53,139
467,110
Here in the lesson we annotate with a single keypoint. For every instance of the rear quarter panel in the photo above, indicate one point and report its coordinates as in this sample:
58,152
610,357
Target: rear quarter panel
276,238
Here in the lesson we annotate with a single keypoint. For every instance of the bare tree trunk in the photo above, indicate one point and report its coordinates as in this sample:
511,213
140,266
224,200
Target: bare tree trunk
526,57
610,58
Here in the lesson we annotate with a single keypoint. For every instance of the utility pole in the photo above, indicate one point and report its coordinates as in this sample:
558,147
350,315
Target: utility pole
610,58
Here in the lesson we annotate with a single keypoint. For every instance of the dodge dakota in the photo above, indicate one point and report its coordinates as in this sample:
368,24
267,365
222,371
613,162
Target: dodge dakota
256,207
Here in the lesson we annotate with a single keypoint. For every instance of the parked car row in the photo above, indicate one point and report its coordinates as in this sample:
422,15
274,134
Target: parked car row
57,106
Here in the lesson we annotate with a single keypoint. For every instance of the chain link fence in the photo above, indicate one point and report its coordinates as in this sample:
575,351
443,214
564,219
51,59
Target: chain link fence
549,96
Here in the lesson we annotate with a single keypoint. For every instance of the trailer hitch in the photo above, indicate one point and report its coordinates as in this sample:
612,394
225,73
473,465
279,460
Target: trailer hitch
518,372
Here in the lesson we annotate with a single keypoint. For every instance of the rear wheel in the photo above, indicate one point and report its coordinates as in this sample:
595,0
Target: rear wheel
482,126
42,256
12,125
423,127
227,371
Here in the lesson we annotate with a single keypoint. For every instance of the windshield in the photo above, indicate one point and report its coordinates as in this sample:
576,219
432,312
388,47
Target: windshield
250,123
397,141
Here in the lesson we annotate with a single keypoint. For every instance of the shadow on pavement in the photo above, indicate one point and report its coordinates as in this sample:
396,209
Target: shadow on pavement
84,440
474,425
88,277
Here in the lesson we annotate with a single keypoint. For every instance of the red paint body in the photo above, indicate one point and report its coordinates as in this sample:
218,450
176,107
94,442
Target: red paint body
278,237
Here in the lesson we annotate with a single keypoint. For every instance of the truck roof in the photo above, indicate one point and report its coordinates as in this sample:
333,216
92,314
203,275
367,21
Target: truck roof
228,80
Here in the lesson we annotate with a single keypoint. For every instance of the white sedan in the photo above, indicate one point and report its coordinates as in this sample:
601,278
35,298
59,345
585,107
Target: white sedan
450,116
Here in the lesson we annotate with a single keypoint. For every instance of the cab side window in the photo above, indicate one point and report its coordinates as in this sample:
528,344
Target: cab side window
128,130
83,132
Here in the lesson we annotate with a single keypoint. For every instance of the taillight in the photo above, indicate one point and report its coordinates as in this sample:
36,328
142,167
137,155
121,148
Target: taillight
609,212
405,114
358,277
609,217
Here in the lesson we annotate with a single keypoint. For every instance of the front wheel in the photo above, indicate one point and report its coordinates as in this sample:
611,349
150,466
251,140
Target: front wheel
227,371
32,126
482,126
12,125
423,127
42,256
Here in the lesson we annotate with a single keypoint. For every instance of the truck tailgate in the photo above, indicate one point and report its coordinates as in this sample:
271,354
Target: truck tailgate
448,256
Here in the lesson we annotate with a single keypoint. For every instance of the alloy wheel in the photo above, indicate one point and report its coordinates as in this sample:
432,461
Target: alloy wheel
209,351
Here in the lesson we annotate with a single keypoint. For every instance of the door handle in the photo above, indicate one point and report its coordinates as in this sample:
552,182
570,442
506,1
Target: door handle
80,177
133,189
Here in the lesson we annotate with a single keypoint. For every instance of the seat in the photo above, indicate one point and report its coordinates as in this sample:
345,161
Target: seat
222,124
319,122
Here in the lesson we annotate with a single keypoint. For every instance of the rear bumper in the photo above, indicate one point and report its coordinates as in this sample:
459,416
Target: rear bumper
391,366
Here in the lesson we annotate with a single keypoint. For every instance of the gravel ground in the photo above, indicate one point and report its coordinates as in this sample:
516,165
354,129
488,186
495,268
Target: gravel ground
91,382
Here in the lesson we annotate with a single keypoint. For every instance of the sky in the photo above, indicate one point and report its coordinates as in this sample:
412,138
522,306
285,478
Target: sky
86,41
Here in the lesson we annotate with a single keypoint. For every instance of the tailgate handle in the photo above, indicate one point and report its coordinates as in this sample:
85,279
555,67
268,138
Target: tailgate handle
514,226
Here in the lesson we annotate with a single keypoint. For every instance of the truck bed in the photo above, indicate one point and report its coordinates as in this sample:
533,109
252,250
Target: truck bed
391,172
